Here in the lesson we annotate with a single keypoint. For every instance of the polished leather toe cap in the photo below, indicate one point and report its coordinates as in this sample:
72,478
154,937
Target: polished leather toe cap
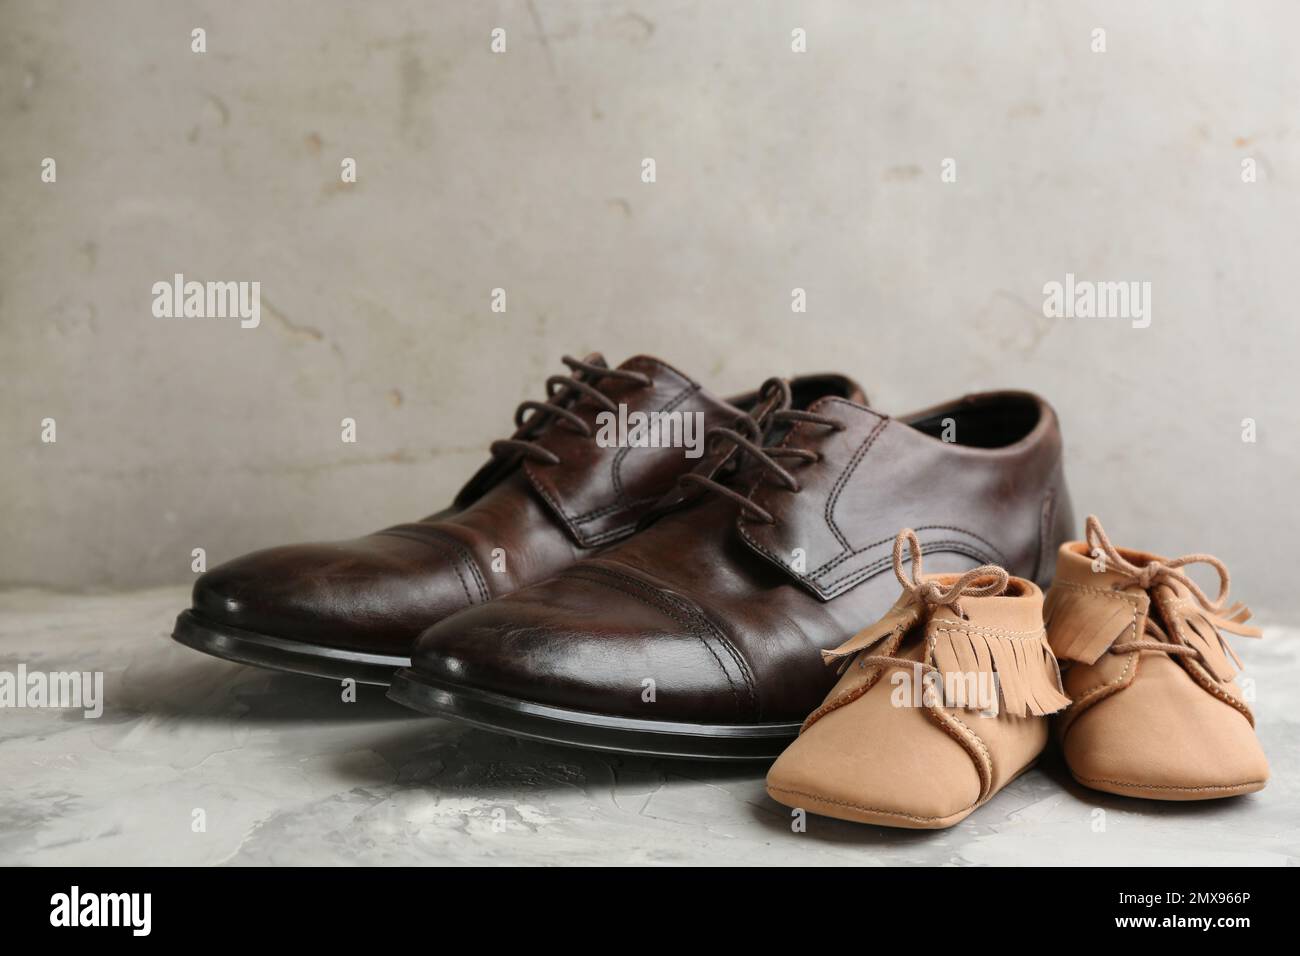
371,593
597,642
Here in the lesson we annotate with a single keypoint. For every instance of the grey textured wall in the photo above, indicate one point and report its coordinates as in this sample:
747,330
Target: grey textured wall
522,170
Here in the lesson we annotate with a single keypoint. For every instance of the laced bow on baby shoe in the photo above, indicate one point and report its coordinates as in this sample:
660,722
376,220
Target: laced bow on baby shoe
931,592
1088,621
1028,679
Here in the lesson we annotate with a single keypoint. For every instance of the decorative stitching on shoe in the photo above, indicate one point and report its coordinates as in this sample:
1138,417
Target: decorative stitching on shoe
998,631
993,556
1083,695
614,509
859,806
1088,781
985,772
1200,675
616,475
465,556
693,621
843,477
1098,693
1104,592
621,502
457,557
828,510
880,564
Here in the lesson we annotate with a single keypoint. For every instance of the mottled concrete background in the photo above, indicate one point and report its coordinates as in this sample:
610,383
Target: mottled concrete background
522,170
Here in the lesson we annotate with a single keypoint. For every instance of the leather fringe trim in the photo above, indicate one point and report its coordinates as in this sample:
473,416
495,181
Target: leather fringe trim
1022,667
1083,621
898,620
1202,630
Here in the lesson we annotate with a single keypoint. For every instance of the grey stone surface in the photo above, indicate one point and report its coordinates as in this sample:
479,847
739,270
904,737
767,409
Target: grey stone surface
287,773
521,171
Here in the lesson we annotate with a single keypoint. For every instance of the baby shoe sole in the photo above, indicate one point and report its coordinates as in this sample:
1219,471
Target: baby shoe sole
856,813
1156,792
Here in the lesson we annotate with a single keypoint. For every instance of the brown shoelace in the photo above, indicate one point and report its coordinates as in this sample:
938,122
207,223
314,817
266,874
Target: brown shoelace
930,594
765,456
1153,573
562,391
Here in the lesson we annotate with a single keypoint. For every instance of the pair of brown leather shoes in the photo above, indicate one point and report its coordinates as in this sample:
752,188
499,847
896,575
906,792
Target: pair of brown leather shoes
628,597
947,698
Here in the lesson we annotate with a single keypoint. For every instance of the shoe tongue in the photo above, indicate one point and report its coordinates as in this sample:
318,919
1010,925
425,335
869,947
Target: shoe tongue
496,469
776,399
760,406
828,385
804,392
775,395
718,461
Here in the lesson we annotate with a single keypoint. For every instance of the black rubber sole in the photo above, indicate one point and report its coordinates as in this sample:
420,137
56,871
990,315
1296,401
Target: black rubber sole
277,653
573,728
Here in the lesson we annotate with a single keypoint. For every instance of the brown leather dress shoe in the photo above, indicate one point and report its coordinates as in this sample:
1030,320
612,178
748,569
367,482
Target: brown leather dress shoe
1157,710
550,494
701,636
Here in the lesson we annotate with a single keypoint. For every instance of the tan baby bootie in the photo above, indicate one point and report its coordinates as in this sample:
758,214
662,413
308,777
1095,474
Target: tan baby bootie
942,703
1156,710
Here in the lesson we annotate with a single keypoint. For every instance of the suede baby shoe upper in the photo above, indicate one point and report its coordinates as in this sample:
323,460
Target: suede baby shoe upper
1157,711
940,704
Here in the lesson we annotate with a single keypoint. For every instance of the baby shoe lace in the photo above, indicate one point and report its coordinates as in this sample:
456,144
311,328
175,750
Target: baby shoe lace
1155,572
562,391
765,456
931,594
